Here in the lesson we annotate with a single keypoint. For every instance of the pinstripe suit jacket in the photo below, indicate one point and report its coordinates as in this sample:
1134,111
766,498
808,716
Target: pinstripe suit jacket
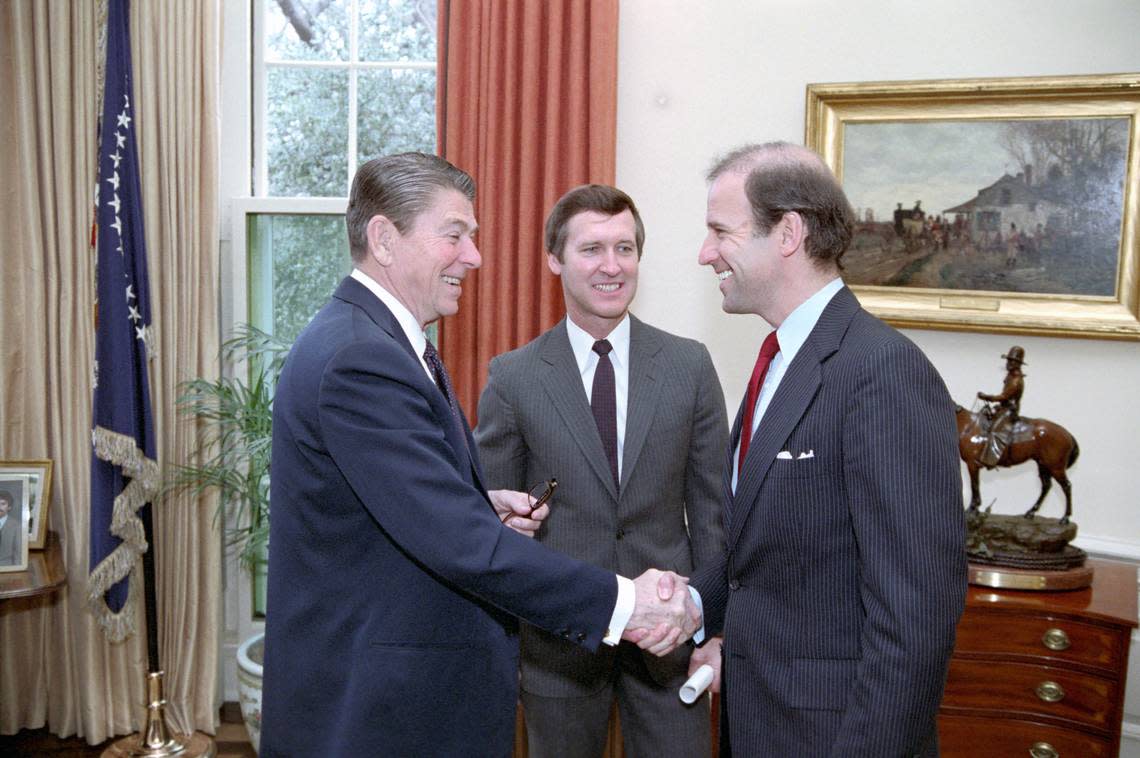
844,575
535,423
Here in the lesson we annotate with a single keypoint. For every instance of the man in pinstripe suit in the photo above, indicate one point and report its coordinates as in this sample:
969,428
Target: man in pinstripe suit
844,574
651,499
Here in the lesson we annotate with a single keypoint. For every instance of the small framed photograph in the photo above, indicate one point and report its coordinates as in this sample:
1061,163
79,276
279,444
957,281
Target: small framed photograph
36,476
14,519
992,205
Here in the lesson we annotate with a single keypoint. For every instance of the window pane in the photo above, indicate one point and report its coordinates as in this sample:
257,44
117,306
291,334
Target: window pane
295,263
396,112
306,31
307,131
397,30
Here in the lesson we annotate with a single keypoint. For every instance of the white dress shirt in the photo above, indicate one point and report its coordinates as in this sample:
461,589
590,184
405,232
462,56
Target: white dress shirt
792,335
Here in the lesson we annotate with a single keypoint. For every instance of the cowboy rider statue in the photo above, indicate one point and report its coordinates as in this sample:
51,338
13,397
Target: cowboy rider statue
1005,415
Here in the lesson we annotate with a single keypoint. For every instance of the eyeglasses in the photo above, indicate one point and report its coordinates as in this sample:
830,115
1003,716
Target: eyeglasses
547,490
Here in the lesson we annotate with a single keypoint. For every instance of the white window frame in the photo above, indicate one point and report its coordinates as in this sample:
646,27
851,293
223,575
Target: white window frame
352,65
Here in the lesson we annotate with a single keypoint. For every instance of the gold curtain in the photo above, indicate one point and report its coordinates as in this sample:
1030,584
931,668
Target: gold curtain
528,106
58,669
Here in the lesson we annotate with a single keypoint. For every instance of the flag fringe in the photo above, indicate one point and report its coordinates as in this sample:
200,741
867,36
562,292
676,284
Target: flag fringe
123,451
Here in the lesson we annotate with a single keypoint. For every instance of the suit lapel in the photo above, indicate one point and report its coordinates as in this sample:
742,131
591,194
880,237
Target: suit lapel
643,393
798,387
562,383
355,293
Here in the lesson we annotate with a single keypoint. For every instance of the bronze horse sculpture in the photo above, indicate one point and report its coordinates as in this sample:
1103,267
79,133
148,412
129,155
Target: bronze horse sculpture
1050,445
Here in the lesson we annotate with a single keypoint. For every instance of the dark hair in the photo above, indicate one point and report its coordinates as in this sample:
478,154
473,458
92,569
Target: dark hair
783,178
601,198
6,495
399,187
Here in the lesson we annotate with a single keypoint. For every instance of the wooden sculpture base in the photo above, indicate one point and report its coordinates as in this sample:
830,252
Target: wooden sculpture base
1004,577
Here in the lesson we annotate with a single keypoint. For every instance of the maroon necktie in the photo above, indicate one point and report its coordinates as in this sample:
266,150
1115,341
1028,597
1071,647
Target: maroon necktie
603,402
443,381
767,351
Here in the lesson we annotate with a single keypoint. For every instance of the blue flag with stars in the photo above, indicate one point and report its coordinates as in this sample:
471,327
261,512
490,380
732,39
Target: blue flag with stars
124,470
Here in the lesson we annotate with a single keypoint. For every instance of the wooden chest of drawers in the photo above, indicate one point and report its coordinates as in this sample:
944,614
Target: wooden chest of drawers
1041,673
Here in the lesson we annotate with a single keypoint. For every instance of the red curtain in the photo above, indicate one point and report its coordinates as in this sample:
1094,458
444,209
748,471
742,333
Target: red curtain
527,104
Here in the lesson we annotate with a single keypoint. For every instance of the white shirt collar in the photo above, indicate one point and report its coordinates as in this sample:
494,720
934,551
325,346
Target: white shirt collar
412,329
793,333
583,344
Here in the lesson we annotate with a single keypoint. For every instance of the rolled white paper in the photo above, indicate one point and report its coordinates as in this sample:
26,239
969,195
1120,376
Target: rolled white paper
696,684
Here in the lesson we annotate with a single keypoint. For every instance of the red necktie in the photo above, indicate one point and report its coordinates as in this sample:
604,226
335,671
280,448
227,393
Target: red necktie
767,351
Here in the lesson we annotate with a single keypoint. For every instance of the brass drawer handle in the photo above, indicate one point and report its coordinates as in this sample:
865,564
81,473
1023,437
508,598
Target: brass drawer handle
1050,692
1055,639
1043,750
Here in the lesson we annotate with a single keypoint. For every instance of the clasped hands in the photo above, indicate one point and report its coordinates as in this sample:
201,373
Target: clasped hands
664,615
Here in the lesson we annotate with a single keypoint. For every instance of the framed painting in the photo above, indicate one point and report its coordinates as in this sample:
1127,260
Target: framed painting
996,205
36,479
14,518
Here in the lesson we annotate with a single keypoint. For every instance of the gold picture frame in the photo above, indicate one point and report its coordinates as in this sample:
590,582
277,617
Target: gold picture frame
963,263
36,476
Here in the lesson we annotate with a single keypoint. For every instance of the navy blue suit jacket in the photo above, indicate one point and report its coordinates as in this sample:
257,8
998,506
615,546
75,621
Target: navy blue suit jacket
845,569
393,588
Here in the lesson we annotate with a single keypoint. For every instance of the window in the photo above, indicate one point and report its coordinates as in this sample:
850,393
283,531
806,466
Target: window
337,82
332,83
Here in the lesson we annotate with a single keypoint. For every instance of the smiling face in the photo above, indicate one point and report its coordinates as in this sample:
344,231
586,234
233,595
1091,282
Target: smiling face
746,265
424,268
598,269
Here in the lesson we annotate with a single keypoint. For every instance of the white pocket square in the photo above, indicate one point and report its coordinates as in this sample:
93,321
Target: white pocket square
783,455
808,454
786,455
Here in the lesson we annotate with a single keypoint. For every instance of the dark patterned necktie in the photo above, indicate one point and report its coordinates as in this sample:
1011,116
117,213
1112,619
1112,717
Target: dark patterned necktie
767,352
603,402
443,381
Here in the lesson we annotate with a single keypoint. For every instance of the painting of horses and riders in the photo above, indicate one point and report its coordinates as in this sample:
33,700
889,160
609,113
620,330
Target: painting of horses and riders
1022,206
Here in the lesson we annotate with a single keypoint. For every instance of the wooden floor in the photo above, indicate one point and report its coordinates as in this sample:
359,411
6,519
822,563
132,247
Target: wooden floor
231,742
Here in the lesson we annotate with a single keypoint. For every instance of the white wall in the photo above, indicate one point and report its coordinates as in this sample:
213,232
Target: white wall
698,78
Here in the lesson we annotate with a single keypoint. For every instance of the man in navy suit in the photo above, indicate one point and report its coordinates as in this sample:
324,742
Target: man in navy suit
394,587
845,573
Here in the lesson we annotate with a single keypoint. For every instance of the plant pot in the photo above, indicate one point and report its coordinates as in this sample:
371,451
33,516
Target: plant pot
250,656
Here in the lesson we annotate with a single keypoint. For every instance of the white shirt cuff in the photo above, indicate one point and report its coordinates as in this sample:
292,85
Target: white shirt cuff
623,611
699,635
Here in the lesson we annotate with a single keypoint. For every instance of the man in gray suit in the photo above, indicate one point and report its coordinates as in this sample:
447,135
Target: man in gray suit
631,422
845,572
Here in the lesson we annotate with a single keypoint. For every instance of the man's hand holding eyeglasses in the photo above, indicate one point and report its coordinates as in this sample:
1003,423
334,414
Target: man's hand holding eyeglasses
515,510
664,615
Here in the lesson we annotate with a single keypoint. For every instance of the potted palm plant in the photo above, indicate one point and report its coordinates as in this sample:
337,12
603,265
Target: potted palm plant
235,417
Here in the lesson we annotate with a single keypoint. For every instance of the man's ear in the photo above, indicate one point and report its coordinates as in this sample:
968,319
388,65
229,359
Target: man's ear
554,264
380,234
793,232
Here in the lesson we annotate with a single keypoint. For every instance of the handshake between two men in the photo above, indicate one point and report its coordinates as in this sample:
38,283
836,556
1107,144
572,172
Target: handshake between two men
664,614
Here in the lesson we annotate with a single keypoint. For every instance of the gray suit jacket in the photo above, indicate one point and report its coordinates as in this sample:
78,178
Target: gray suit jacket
535,423
845,573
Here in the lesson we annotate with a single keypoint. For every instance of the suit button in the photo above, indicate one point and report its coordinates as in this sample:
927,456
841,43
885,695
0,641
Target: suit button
620,533
581,636
734,585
